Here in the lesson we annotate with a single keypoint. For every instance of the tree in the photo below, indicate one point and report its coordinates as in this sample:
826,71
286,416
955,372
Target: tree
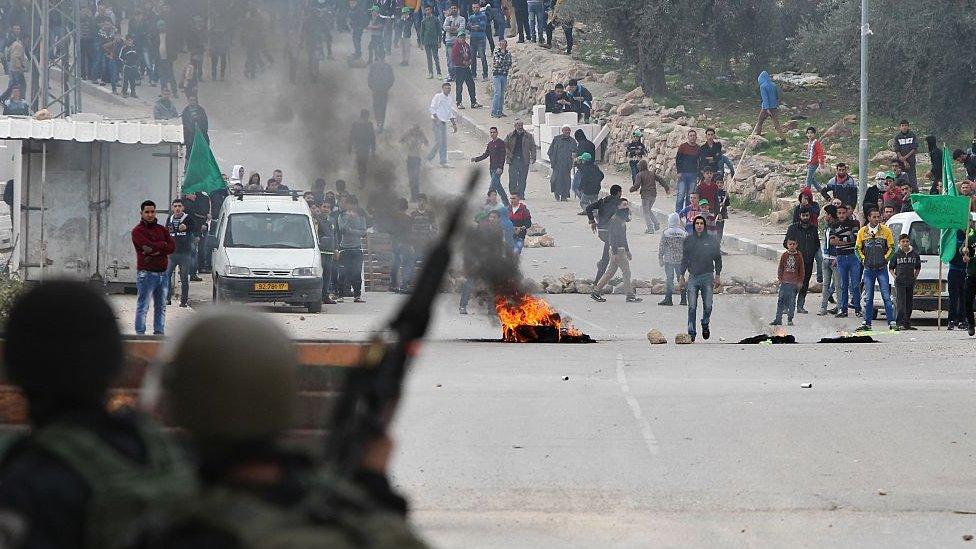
920,64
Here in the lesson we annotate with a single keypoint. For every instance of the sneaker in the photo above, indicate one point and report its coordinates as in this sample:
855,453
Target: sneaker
359,300
184,305
893,327
951,326
634,299
910,328
340,299
462,310
832,311
460,106
863,328
831,300
196,279
476,105
841,315
822,312
692,337
802,311
858,313
133,95
581,213
168,302
776,323
328,301
705,332
789,322
972,330
597,297
667,302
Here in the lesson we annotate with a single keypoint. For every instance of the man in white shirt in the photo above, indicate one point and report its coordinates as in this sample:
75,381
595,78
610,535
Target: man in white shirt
442,111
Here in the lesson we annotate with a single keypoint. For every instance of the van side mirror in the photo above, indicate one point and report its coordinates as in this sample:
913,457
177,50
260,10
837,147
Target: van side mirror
212,241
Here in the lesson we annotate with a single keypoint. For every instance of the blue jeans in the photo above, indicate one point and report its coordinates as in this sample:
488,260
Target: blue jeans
881,276
478,46
829,274
686,184
537,21
633,169
519,243
496,185
811,178
498,85
154,285
440,142
699,284
786,303
849,274
670,273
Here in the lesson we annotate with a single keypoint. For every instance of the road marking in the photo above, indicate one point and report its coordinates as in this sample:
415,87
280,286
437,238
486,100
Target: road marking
645,428
576,318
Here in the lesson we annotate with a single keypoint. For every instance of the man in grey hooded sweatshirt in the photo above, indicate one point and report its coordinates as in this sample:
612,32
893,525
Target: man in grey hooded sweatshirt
669,255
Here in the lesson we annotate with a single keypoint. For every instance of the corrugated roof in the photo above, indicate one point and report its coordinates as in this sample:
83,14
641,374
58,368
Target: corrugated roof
150,133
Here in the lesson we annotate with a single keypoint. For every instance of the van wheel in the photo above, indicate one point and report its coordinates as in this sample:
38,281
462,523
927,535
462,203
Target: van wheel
315,307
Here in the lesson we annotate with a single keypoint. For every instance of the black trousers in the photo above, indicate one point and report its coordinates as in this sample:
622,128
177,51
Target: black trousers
903,305
522,23
970,295
352,272
328,267
380,100
801,295
413,175
462,76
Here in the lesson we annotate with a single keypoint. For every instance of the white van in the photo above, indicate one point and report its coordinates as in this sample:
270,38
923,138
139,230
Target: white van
266,250
925,240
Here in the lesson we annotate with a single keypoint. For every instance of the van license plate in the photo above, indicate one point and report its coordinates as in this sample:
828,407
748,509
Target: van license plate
270,286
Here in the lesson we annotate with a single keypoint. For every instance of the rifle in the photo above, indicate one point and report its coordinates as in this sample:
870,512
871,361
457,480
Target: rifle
371,392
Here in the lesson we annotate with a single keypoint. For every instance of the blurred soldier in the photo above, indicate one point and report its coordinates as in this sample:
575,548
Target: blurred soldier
83,476
255,493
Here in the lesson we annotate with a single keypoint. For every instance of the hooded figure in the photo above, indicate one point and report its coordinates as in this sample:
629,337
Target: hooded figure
810,203
584,145
768,91
561,155
237,175
669,255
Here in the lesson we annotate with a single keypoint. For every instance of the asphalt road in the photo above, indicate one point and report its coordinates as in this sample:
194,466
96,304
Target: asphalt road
712,444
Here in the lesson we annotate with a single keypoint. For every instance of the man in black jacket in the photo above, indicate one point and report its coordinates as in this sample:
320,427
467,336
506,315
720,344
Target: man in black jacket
808,242
620,256
702,259
181,227
604,210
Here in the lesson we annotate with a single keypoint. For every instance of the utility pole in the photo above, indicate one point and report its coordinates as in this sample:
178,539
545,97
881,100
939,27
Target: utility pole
55,56
862,146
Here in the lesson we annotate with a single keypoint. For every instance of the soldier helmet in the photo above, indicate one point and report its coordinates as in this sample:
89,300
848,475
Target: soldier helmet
231,378
73,364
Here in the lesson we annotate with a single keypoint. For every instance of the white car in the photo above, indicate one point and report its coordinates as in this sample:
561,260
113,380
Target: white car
925,240
266,250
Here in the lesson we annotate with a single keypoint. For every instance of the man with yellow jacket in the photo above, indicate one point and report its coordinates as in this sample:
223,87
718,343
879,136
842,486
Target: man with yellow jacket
874,247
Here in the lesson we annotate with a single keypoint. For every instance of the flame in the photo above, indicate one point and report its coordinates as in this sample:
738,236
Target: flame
779,331
524,310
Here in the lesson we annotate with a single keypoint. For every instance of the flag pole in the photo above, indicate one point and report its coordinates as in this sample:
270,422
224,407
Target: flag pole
938,318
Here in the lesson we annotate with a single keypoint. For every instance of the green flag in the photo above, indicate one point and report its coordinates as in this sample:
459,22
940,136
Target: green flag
202,173
942,211
948,243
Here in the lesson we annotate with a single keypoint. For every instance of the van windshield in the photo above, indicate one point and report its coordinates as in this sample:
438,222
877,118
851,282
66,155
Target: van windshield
924,239
268,230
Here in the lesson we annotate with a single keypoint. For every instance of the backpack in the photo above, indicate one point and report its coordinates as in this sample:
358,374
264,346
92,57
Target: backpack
331,515
123,493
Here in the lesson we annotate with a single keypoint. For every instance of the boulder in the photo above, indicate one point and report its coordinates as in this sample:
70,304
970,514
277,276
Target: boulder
547,241
549,281
885,157
627,109
756,143
612,78
635,94
682,339
838,130
676,112
567,279
655,337
745,127
536,230
583,287
736,290
753,288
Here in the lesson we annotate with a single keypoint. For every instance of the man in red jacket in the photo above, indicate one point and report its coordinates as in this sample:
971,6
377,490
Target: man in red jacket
461,60
495,152
153,245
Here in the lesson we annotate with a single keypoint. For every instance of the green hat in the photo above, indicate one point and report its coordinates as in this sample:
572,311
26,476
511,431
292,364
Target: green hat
703,201
586,157
460,33
889,175
374,8
231,378
637,133
406,10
